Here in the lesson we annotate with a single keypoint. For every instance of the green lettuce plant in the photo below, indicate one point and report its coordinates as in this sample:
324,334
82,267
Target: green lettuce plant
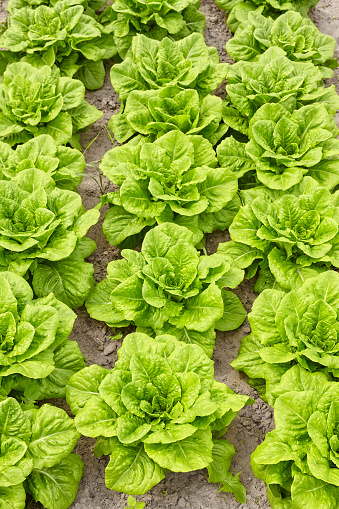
297,233
42,233
60,34
269,7
36,456
168,284
36,356
38,101
65,165
296,35
176,178
90,6
273,78
299,459
152,64
175,19
158,410
156,112
238,10
300,327
284,147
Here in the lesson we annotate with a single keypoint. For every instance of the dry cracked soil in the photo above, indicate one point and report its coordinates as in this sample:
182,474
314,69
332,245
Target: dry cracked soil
177,490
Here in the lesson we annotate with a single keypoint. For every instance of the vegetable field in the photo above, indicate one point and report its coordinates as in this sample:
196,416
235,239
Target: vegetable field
169,293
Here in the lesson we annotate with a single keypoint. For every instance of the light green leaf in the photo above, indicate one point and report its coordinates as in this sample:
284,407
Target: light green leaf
131,470
222,454
54,436
56,487
234,312
192,453
202,311
96,418
83,385
232,484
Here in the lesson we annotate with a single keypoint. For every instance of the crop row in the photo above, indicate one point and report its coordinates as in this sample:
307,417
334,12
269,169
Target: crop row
263,163
287,227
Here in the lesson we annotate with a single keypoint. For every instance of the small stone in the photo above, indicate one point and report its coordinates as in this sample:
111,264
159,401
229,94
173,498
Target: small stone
109,349
213,19
100,348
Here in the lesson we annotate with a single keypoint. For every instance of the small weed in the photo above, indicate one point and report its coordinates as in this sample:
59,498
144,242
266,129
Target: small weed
117,336
109,134
132,503
90,143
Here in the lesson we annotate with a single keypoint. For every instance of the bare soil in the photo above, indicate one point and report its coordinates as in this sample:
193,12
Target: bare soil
177,490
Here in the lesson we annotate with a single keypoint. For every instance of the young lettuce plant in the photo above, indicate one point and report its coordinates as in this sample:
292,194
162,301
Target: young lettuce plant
176,178
157,20
301,327
152,64
168,284
284,147
156,112
296,35
273,78
42,233
60,34
299,459
36,456
38,101
36,356
65,165
297,233
158,410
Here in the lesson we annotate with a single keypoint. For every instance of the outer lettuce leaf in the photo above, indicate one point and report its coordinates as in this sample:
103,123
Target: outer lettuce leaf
131,470
13,497
56,487
232,484
67,361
